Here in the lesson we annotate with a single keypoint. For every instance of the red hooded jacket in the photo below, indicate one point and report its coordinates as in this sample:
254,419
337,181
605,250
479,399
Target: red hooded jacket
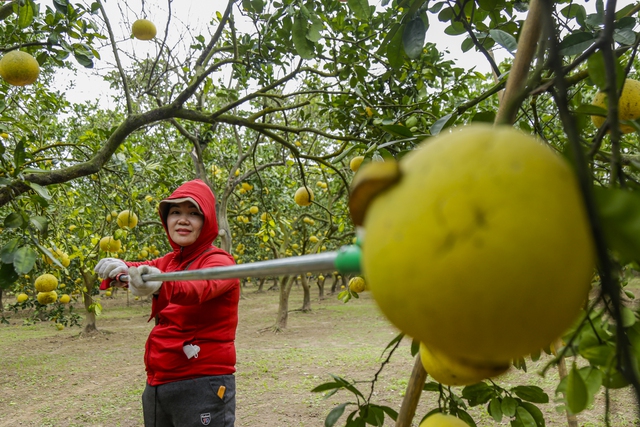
202,312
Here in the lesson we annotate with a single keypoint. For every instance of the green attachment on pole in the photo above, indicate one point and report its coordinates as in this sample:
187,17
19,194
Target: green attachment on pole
348,259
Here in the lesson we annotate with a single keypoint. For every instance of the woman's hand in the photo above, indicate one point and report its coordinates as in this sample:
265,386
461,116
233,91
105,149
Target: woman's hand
109,268
138,286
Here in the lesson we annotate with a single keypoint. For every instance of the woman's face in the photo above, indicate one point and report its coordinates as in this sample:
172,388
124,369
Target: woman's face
184,223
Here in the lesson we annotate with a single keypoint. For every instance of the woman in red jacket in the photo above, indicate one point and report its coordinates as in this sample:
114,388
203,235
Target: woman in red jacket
190,354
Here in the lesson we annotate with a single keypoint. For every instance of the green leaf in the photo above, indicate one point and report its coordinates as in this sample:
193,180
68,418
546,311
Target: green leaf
432,386
508,406
624,36
478,394
303,45
504,39
415,347
25,14
413,37
390,412
576,43
315,29
595,67
8,275
620,215
397,130
628,317
535,412
531,393
13,220
590,110
375,415
599,355
394,51
326,386
441,123
484,116
576,393
360,9
488,5
42,191
495,409
7,253
61,6
335,414
525,417
83,60
19,155
464,416
24,260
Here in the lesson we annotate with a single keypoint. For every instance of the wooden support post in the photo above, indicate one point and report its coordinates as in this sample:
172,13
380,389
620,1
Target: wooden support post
412,395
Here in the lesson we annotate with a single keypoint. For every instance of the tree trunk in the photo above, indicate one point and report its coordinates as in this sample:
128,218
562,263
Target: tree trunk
334,285
306,301
223,223
283,306
275,285
320,284
572,421
1,304
90,319
261,284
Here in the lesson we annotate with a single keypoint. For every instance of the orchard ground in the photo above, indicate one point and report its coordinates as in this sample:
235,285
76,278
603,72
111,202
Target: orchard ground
58,378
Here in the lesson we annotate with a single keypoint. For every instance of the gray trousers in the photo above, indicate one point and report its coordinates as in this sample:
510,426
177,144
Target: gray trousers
191,403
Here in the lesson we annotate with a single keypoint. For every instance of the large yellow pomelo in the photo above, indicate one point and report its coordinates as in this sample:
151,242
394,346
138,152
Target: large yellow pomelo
143,29
455,372
127,218
46,282
19,68
483,249
45,298
109,244
303,196
442,420
628,105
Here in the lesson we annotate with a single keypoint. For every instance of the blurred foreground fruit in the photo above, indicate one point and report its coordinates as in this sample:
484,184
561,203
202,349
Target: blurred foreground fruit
442,420
450,371
628,105
482,250
46,282
303,196
19,68
143,29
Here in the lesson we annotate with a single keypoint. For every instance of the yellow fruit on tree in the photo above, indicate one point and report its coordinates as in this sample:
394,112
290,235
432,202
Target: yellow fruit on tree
628,105
114,214
45,298
22,297
254,210
59,326
127,218
107,294
449,371
64,299
355,163
508,209
143,29
148,198
109,244
46,282
442,420
144,253
65,260
303,196
313,239
237,172
356,284
19,68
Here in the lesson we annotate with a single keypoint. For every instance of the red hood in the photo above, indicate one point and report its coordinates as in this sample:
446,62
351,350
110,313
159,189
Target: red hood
202,194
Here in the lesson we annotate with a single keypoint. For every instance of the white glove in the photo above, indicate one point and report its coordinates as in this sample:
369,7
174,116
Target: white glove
138,286
110,268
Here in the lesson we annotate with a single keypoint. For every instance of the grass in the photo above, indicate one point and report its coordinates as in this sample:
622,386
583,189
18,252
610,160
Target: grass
97,381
